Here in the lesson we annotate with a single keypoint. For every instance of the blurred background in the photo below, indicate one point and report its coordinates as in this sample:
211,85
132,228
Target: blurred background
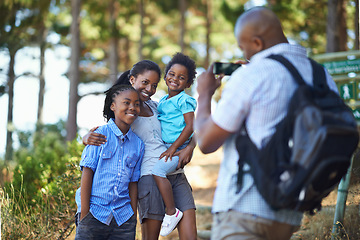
57,57
53,68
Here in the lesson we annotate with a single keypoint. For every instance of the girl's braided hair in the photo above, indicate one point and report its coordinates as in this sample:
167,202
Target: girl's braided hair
111,93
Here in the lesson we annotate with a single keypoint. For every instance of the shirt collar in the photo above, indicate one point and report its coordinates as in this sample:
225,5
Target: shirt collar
281,48
118,132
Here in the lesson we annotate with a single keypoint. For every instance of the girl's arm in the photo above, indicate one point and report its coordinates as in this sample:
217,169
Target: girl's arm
185,135
133,193
92,138
86,185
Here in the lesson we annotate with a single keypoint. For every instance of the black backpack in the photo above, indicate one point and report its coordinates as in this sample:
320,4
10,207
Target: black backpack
310,150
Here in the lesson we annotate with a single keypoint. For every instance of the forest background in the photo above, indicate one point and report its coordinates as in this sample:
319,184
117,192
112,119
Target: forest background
97,40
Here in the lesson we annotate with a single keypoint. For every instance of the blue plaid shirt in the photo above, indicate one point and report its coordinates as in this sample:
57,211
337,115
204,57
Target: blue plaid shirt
115,164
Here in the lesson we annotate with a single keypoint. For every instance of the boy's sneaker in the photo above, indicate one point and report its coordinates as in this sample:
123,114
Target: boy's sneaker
170,222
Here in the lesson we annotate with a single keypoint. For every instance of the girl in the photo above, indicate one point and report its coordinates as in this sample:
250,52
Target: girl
107,198
144,77
176,115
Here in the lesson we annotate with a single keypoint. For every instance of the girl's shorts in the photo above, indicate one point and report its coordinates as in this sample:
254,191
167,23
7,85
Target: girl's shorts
151,204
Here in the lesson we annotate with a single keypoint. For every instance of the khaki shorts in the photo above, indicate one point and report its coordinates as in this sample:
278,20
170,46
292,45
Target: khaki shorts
151,204
233,225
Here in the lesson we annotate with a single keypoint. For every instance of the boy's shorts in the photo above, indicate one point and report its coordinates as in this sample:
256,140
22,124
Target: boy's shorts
151,204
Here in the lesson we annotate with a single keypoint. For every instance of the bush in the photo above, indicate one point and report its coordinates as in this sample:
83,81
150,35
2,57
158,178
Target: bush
39,202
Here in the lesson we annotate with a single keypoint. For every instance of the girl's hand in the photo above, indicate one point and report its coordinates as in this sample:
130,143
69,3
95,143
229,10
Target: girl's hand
185,155
168,153
92,138
83,214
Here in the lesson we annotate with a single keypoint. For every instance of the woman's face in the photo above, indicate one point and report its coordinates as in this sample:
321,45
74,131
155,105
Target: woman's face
146,84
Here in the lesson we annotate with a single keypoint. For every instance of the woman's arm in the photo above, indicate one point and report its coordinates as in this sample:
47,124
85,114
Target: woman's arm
185,154
133,193
86,185
183,137
92,138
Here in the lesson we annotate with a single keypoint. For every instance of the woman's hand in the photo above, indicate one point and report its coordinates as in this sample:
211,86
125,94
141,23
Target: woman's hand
92,138
185,154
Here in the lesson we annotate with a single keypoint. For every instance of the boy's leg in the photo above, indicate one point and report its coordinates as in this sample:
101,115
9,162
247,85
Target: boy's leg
126,231
90,228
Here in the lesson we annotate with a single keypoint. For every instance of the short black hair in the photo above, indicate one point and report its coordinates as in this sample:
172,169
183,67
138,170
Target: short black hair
186,61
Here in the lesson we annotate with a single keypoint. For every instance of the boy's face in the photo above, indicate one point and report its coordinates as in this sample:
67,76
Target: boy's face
126,108
177,78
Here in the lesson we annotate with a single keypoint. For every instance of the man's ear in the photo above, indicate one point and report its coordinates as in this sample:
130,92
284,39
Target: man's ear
112,107
258,43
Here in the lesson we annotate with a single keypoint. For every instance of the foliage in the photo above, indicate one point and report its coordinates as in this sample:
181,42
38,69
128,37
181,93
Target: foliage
39,201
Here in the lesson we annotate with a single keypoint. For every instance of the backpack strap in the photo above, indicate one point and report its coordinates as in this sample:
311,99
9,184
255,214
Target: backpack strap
319,77
294,72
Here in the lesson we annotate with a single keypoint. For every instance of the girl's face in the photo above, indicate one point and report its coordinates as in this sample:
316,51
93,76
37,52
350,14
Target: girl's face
177,78
146,84
126,108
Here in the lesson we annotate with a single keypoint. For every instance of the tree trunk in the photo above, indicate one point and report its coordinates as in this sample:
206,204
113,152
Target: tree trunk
74,72
114,41
142,29
10,126
40,119
208,32
182,7
357,42
336,28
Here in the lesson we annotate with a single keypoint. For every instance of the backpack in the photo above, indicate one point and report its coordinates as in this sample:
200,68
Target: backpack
310,150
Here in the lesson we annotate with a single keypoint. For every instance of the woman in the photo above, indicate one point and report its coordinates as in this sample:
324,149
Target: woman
144,77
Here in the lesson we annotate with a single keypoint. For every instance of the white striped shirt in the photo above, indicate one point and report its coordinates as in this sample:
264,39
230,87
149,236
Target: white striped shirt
258,92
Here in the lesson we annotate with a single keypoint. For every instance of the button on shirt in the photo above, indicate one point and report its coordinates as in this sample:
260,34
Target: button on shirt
115,164
258,92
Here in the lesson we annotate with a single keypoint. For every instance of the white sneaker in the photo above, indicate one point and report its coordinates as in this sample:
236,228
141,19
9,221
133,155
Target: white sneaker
170,222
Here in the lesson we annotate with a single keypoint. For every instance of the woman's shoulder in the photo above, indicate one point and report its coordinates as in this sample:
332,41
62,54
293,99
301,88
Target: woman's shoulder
152,103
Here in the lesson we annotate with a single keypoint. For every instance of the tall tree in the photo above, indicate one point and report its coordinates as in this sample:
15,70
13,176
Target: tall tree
336,31
15,32
74,72
182,8
114,41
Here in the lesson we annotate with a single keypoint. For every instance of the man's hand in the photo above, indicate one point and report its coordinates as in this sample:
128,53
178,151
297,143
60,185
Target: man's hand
207,82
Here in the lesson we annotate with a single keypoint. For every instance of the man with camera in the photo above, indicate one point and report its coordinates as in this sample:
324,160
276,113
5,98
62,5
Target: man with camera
256,94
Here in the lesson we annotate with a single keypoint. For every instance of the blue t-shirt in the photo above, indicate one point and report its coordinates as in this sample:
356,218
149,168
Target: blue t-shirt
171,111
115,164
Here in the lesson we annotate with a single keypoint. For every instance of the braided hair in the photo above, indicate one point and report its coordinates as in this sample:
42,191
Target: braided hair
111,93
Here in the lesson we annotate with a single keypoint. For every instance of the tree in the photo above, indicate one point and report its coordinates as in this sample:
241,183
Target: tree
74,73
16,31
336,31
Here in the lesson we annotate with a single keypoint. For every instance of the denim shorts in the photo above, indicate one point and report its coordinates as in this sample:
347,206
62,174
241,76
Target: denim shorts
90,228
151,204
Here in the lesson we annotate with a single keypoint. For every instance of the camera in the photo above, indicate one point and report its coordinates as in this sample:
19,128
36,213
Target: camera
225,68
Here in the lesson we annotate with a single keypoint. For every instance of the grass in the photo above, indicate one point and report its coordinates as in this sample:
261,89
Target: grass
50,219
